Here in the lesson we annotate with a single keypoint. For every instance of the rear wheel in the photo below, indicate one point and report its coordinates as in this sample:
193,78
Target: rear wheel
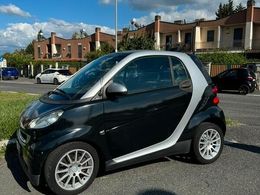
243,89
55,81
39,81
71,168
207,143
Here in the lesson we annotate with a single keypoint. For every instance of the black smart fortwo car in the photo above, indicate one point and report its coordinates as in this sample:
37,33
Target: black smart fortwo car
120,109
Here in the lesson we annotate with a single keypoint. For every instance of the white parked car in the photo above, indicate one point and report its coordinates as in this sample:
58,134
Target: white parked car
55,76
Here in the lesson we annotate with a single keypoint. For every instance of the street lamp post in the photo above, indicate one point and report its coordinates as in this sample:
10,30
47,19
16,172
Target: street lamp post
116,25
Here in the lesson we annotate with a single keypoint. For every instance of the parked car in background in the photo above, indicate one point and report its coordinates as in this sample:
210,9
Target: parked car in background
52,75
9,73
239,79
120,109
254,67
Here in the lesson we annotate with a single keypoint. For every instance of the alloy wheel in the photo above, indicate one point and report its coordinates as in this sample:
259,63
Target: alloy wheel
74,169
209,144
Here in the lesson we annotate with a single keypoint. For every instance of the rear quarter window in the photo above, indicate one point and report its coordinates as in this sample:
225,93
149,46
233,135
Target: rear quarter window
201,67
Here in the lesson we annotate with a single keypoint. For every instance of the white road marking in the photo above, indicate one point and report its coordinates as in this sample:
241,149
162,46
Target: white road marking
253,95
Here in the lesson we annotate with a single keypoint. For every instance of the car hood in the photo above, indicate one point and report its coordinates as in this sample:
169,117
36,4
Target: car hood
35,110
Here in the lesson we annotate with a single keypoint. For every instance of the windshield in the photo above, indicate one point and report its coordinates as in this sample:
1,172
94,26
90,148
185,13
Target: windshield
82,81
64,72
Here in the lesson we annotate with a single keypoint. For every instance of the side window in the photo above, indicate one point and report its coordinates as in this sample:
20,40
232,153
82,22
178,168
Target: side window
232,74
179,72
145,74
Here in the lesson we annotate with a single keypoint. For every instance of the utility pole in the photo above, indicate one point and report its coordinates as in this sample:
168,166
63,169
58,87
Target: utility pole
116,24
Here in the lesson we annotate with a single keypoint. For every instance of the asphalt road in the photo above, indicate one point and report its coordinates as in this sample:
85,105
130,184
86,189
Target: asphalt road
26,86
237,171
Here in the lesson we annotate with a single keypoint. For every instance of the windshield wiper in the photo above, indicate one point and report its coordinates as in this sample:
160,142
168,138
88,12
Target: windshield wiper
60,92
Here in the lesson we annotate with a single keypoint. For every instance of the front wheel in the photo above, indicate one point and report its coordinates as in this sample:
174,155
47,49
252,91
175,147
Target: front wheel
243,89
207,143
71,168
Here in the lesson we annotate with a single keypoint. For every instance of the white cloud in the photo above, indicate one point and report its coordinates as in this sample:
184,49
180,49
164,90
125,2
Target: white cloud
18,35
180,9
13,10
105,1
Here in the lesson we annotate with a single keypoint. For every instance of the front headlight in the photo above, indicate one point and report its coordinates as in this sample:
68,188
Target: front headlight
45,121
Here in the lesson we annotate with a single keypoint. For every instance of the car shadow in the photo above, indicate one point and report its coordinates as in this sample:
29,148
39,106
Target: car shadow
12,160
156,192
250,148
230,92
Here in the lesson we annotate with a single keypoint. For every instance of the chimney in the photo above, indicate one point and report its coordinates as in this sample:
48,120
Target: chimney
53,46
249,24
250,3
157,32
53,35
97,38
250,10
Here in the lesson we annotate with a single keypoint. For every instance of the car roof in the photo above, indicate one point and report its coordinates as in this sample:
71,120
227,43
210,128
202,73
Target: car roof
55,69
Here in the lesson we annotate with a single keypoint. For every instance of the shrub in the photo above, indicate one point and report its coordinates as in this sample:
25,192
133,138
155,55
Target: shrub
223,58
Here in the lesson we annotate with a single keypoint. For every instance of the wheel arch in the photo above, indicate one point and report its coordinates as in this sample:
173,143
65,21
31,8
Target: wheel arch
212,115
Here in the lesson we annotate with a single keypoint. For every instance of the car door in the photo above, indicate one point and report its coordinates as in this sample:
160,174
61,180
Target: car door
50,76
43,76
230,80
151,110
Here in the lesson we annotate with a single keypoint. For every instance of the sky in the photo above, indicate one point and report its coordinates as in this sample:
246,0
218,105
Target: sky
20,20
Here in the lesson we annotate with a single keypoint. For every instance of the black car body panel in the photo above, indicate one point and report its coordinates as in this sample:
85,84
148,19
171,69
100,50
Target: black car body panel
129,119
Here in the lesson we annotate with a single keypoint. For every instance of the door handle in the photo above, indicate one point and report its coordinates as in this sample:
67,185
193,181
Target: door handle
186,85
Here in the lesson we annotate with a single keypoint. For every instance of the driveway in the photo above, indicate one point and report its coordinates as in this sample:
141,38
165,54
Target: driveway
237,171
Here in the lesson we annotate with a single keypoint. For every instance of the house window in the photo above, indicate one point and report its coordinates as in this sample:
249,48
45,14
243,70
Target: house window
168,42
210,36
69,48
39,52
79,51
69,51
237,39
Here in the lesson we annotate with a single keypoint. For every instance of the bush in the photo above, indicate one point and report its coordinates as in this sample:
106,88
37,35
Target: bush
223,58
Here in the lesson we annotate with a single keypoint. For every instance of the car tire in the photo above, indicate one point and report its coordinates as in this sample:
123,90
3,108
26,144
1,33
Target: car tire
39,81
243,89
55,81
207,143
252,90
78,160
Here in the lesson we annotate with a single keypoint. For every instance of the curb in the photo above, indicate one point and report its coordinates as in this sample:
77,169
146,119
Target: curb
6,142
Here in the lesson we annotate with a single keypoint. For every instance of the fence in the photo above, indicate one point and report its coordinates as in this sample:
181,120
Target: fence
216,69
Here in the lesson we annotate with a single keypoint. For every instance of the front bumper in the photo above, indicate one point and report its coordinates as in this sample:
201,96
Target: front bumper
29,164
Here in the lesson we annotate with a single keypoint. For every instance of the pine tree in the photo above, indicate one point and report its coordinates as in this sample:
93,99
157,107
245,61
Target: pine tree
228,9
239,8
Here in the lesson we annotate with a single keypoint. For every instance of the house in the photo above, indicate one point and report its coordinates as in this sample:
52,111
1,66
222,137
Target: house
239,32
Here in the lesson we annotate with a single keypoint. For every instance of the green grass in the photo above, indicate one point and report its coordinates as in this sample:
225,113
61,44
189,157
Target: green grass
11,106
2,152
232,123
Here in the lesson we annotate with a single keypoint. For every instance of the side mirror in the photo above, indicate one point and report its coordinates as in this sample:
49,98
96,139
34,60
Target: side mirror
115,90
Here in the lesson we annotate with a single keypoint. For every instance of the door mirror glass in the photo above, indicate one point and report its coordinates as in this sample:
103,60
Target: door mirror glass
115,90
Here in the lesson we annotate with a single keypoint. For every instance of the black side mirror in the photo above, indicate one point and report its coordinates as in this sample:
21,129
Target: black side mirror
115,90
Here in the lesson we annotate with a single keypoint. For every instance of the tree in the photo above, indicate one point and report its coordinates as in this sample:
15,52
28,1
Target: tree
239,8
143,42
29,49
228,9
75,35
18,58
105,48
